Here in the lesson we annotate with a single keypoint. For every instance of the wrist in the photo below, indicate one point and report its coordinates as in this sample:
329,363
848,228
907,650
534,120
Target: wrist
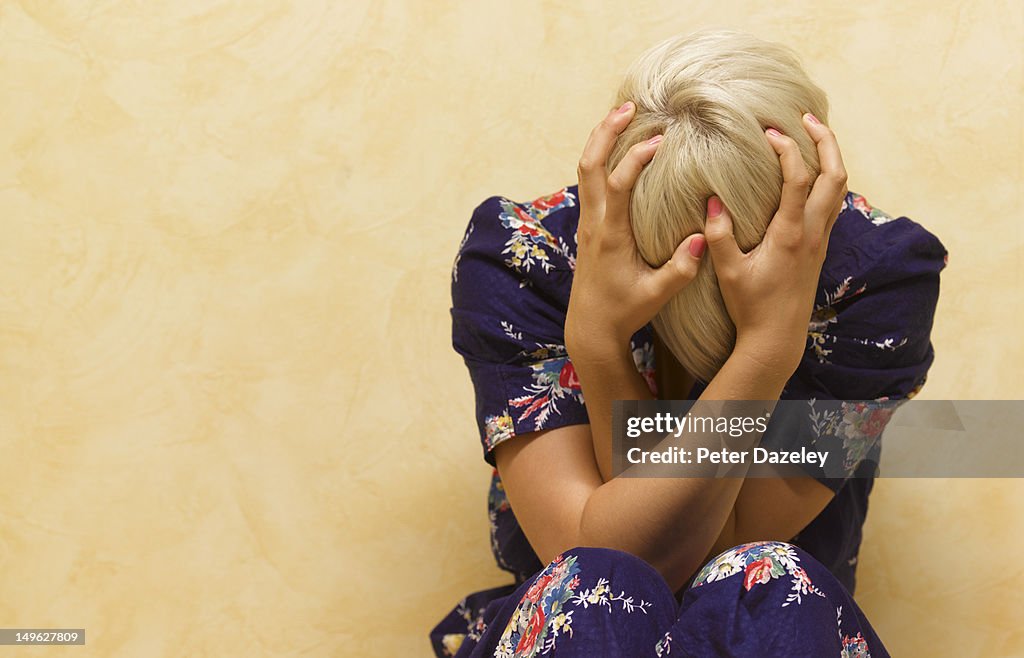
772,361
586,348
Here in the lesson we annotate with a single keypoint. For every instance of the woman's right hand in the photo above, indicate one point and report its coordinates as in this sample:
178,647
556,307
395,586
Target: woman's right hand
769,291
614,291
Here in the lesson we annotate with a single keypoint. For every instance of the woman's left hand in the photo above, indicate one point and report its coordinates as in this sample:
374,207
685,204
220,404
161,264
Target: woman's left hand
614,291
769,291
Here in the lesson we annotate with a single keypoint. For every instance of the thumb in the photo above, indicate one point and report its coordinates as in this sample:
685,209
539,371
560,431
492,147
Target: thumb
680,270
725,253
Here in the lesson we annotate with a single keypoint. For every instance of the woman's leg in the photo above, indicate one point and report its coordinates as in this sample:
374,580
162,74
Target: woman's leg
760,599
769,599
588,602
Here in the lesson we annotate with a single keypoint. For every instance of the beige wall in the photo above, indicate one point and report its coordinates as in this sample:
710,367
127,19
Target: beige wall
230,419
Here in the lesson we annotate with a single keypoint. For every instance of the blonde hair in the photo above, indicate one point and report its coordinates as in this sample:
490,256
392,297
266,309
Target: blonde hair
711,94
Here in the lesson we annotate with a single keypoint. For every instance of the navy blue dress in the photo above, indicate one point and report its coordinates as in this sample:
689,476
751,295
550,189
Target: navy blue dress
868,340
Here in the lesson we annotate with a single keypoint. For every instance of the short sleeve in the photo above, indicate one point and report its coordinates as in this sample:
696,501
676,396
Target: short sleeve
510,290
869,340
870,332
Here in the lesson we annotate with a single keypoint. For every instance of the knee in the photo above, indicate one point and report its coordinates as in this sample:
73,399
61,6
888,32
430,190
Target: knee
756,562
604,560
597,564
611,599
789,555
782,549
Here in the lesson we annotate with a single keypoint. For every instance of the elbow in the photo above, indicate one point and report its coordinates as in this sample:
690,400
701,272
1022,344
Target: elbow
595,530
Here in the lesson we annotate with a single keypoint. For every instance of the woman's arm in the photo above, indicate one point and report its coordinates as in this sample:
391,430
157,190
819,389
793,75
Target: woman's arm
672,522
557,481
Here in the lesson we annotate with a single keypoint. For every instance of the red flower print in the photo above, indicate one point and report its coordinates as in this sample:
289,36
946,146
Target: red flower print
568,378
550,201
532,632
533,594
758,572
876,422
536,404
856,646
527,227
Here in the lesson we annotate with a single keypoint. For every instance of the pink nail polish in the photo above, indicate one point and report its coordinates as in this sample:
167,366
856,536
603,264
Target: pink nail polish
813,119
773,132
714,206
625,107
697,246
656,139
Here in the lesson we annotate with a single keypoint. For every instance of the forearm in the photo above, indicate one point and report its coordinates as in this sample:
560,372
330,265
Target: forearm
670,522
606,375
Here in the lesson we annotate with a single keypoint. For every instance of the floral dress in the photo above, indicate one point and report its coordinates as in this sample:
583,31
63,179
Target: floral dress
868,340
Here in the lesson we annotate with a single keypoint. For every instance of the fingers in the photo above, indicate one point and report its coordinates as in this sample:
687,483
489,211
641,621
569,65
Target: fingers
622,180
830,186
838,208
725,253
795,182
680,270
591,169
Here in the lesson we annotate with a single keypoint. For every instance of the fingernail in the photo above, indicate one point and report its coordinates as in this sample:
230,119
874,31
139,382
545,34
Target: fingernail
625,107
714,206
773,132
655,139
697,246
813,119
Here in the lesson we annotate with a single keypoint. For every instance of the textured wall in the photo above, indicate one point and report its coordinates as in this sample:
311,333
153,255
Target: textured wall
230,419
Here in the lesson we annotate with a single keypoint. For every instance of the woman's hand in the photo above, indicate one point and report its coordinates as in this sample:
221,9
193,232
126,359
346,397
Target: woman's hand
614,291
769,292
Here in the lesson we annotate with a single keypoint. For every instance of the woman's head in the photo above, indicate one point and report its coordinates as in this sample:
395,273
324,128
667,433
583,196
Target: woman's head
711,94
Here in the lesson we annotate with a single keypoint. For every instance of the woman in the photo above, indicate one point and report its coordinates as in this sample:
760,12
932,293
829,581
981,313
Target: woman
793,288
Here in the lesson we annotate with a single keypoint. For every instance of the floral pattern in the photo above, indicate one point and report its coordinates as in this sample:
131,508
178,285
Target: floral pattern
858,424
499,427
759,563
664,646
643,358
824,315
497,506
855,646
554,613
543,614
553,380
859,203
475,626
530,243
